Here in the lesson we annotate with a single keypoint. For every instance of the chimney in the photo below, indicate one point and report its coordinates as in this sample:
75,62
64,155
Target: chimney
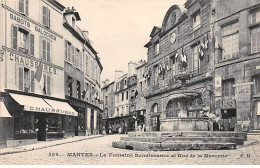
73,9
118,74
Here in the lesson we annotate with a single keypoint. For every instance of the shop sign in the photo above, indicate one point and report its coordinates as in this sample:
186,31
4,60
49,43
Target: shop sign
13,56
27,24
49,110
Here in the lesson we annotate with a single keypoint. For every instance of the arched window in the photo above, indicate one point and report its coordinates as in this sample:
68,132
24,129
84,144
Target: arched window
171,110
154,108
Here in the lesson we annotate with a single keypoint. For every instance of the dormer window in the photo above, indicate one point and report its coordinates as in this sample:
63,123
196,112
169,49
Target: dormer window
73,22
23,6
156,48
196,21
255,17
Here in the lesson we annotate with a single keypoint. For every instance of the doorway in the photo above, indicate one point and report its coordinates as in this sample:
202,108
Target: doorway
92,122
229,117
155,123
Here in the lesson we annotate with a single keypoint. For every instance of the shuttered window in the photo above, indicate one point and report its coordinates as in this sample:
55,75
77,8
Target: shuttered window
31,44
46,50
228,89
47,84
23,6
20,78
14,40
32,82
72,54
45,16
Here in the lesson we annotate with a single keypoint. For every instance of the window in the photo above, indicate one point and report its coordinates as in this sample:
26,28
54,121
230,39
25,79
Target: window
92,69
154,108
22,40
141,86
156,74
122,96
46,16
255,17
156,48
23,6
196,60
230,41
87,64
126,95
67,50
70,83
228,89
46,50
171,110
73,22
77,58
196,21
173,67
255,40
123,111
78,90
47,84
257,84
26,79
106,100
117,98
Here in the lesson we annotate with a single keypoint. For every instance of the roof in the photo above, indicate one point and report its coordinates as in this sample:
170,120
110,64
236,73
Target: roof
57,4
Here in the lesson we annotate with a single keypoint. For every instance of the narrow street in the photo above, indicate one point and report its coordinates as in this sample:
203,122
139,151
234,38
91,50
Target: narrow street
100,151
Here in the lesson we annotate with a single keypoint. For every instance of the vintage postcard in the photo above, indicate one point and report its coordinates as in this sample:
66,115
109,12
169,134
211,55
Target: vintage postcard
130,82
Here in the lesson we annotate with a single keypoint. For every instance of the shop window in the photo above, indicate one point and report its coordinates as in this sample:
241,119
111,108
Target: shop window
24,123
47,84
230,37
54,123
23,6
78,90
22,40
46,16
70,83
257,84
156,48
46,50
196,21
196,60
81,120
228,89
255,40
26,79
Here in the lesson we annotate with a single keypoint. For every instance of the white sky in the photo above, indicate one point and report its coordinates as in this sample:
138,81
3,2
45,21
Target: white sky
120,28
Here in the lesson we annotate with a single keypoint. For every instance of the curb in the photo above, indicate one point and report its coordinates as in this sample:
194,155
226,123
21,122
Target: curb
47,146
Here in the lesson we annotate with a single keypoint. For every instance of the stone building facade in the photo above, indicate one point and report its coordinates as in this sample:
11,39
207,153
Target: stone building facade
237,32
182,35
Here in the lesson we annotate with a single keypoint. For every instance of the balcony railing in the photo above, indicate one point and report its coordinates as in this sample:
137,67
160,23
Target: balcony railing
23,50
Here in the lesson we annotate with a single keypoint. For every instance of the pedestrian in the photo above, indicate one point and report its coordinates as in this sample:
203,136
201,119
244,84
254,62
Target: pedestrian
218,122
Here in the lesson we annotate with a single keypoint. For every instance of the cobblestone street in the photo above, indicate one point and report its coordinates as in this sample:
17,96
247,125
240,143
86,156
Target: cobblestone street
100,151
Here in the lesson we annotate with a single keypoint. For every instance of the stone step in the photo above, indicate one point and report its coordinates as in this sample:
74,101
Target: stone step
238,141
172,146
190,134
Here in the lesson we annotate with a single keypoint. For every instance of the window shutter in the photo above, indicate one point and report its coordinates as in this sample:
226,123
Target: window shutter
48,51
31,44
32,81
80,60
21,6
66,50
44,49
44,15
44,84
14,37
48,18
26,7
72,54
20,78
48,85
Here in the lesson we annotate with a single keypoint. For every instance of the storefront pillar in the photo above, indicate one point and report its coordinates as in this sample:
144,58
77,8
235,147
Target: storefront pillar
95,122
88,120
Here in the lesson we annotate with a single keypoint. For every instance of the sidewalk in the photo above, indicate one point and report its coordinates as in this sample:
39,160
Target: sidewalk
47,144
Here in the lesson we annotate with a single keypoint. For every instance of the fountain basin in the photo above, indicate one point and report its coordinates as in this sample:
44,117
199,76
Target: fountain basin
185,124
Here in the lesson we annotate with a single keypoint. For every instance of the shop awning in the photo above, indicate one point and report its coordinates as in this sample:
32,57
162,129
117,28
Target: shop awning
3,111
42,105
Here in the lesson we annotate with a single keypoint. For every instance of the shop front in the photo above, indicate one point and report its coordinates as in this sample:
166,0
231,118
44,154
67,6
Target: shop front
38,118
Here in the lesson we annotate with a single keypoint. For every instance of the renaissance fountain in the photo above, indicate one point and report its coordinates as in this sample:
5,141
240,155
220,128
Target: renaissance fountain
182,132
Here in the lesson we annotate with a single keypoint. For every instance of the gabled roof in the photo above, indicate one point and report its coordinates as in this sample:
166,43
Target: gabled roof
155,30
